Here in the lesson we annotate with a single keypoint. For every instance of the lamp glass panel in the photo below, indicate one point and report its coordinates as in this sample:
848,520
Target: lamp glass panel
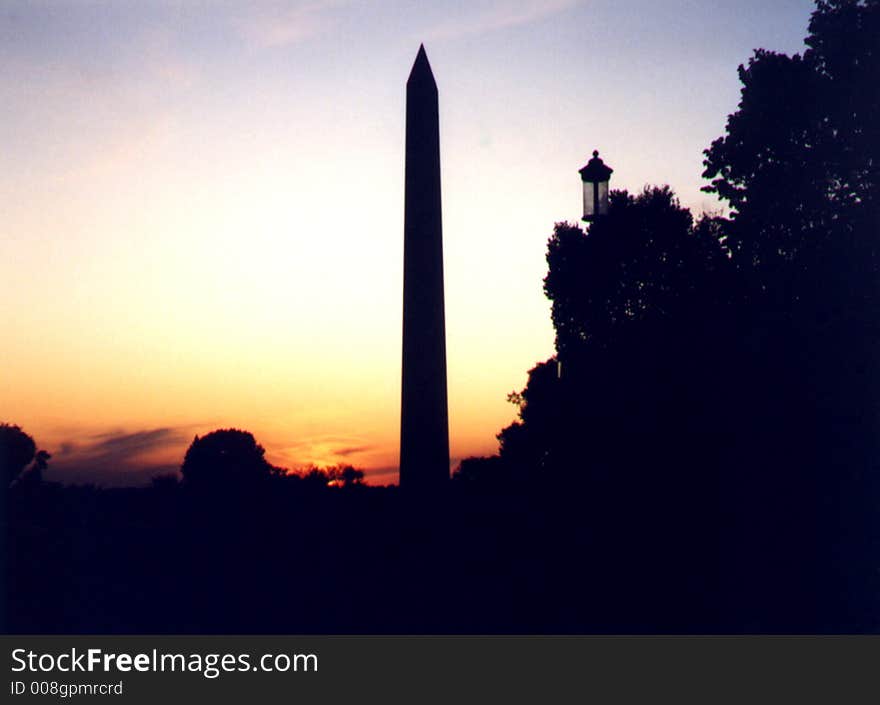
589,206
602,206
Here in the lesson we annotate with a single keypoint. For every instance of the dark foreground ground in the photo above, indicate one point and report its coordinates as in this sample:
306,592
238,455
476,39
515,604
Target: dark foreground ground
287,558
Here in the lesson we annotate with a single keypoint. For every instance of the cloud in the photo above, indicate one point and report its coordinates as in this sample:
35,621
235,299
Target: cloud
119,443
500,14
282,26
324,450
118,457
344,452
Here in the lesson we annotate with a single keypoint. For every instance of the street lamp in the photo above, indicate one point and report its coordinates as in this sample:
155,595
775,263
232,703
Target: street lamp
595,176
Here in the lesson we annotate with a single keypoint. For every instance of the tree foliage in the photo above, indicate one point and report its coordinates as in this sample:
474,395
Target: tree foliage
644,263
17,450
798,164
19,454
642,307
226,457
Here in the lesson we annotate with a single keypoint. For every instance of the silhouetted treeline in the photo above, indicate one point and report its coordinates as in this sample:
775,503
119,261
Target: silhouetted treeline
287,555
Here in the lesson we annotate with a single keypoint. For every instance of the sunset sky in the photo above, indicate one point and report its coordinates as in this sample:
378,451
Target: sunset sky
201,205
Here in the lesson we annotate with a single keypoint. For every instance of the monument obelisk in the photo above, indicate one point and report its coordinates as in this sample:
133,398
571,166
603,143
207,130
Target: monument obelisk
424,423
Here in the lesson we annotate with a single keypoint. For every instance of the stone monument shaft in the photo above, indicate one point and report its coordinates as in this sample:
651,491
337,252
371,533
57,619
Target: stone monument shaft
424,424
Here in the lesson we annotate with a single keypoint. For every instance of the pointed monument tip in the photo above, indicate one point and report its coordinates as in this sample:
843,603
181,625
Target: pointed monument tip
421,67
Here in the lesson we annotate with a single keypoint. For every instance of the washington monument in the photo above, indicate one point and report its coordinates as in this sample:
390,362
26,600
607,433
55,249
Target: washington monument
424,424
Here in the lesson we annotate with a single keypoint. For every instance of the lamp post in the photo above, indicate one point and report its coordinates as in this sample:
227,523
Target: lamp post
595,176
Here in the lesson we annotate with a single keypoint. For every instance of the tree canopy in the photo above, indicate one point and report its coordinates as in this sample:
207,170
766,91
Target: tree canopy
226,457
17,450
798,164
644,263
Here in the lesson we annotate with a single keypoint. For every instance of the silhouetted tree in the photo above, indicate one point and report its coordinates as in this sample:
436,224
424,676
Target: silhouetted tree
644,263
800,167
799,161
529,446
315,477
334,476
226,457
17,451
34,474
640,307
346,475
